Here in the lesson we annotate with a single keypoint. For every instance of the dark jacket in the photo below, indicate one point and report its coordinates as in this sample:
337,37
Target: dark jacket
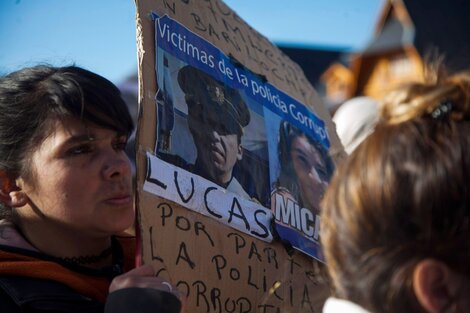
25,294
29,295
33,282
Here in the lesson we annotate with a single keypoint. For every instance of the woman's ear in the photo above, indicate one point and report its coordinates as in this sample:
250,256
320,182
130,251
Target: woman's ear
10,194
432,285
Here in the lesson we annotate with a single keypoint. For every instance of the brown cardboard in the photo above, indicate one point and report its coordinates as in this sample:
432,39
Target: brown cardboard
219,268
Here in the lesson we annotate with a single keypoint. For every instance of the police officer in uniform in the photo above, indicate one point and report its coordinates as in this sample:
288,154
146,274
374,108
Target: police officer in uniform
217,115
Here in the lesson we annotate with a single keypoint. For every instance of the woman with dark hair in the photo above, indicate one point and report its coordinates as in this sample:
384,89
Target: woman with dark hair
305,170
305,167
66,198
396,216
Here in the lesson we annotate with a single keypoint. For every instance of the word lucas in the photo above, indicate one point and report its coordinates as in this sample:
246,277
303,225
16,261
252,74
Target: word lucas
203,196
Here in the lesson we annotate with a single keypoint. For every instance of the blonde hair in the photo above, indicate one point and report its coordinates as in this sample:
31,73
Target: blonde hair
420,99
402,196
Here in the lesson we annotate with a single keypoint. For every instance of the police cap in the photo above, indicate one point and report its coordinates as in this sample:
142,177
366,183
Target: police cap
200,87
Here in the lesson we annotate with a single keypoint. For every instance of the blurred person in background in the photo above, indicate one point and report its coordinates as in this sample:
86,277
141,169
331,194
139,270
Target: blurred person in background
355,119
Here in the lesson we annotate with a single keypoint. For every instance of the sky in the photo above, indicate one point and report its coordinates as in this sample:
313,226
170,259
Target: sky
100,34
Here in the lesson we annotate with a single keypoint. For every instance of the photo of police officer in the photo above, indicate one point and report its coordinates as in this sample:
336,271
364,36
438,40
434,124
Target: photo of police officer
216,117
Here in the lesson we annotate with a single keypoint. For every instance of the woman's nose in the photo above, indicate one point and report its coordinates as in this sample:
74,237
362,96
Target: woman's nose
117,165
313,175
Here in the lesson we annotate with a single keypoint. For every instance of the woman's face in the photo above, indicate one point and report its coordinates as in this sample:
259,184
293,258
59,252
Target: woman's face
80,180
310,169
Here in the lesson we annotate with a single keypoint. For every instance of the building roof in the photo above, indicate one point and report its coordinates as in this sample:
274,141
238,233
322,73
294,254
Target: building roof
436,26
392,36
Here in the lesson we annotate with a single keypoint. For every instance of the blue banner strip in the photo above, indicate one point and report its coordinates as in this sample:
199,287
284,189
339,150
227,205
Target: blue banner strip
179,41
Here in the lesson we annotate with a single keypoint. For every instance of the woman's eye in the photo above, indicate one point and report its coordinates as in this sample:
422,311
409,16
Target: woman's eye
322,173
82,149
303,161
121,145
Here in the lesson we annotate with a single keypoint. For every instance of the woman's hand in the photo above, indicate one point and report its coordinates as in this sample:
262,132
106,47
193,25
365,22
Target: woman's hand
125,294
143,277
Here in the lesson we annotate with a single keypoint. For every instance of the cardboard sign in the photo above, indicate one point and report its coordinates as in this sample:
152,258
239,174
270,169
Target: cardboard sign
234,153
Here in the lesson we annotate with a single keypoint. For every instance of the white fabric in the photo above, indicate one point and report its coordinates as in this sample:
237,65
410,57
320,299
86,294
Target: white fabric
335,305
235,187
355,120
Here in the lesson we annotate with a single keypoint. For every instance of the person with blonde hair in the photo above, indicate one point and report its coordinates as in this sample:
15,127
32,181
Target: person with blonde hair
396,216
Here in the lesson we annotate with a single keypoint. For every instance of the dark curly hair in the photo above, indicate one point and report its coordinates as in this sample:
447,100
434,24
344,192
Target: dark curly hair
287,177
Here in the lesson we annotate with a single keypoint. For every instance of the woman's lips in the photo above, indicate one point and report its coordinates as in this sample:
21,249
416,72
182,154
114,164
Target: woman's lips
119,199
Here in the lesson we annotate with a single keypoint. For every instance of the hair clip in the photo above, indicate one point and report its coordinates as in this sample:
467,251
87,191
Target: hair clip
442,110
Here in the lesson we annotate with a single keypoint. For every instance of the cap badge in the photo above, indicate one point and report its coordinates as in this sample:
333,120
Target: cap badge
216,94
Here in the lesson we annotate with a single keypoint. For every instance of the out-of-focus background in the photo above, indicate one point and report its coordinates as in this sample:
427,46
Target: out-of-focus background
346,48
